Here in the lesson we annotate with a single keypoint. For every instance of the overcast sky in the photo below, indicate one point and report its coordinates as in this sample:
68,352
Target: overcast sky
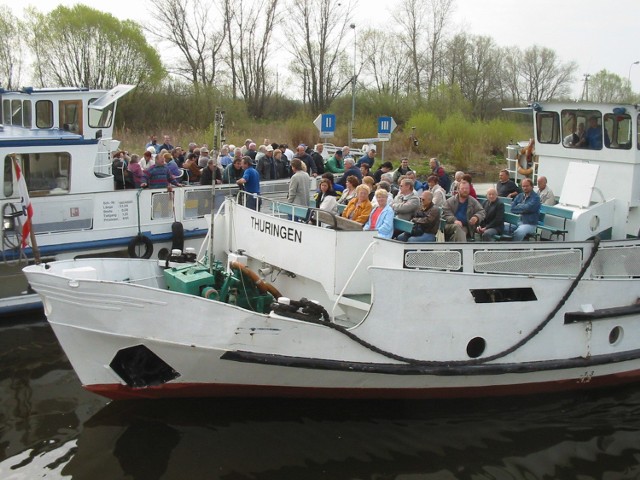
596,34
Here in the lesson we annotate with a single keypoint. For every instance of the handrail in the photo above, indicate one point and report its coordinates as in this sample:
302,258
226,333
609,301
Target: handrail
341,294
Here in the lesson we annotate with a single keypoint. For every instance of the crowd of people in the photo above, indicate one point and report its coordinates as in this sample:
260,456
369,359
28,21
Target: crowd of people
371,196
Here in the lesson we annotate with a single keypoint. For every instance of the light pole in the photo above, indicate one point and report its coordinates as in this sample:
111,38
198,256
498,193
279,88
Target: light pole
629,76
353,86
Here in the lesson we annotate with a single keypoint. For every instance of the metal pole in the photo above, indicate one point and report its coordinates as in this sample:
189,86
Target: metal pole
629,76
353,86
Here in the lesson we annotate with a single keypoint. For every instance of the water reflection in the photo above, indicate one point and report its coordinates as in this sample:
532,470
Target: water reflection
51,427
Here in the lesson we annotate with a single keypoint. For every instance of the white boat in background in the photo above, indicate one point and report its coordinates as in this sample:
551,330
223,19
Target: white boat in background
62,140
293,309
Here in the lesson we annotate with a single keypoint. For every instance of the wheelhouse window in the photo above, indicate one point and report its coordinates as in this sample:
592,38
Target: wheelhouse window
45,173
100,118
548,126
44,114
583,129
16,112
6,112
71,116
617,131
26,113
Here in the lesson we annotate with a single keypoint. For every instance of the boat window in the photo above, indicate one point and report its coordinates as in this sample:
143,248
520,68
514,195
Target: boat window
100,118
26,113
617,131
71,116
548,127
638,140
575,124
45,173
8,177
6,112
44,114
16,112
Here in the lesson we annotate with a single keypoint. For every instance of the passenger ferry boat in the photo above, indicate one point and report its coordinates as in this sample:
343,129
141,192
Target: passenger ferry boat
287,308
62,141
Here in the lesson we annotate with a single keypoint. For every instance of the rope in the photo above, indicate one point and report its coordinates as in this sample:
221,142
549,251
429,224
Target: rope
138,206
475,361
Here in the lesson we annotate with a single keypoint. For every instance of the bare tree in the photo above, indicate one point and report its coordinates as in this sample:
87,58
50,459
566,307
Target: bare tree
192,27
386,62
411,17
11,49
423,25
318,37
481,70
543,76
251,26
439,14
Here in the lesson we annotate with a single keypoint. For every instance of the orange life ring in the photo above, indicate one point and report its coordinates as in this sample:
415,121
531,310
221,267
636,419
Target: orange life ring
263,286
526,159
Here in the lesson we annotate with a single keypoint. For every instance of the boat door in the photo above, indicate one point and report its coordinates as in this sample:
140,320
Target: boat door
71,116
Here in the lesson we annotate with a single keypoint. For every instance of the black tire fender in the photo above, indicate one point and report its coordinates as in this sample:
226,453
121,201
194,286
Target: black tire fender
138,240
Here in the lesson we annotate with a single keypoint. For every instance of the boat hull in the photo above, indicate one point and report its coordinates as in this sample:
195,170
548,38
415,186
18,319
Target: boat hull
208,348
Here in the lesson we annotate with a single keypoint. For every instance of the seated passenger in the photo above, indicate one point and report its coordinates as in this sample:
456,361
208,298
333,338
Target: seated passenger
426,221
472,191
349,192
191,165
505,186
326,199
438,193
381,218
527,205
359,207
406,203
493,221
456,181
462,214
544,192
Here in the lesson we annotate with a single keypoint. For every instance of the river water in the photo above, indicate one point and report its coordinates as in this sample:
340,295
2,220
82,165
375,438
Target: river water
51,428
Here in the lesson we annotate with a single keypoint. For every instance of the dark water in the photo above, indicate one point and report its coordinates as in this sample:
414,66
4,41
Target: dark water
51,428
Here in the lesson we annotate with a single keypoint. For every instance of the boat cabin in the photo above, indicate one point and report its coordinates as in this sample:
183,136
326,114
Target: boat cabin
60,137
590,154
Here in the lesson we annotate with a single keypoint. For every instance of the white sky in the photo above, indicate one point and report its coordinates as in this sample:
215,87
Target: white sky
596,34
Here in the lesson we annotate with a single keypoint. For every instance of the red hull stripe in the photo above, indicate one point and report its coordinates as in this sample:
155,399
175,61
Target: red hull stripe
190,390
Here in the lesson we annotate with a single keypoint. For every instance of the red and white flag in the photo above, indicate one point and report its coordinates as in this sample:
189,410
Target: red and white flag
27,209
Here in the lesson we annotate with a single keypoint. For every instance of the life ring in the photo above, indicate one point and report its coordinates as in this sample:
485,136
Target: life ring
526,159
137,241
263,286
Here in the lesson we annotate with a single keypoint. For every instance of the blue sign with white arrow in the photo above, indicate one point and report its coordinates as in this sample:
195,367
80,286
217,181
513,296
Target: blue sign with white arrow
326,124
386,125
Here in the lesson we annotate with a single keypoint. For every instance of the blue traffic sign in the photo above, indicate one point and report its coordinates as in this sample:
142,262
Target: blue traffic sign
328,123
386,125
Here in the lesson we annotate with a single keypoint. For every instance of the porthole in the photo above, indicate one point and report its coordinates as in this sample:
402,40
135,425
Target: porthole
615,335
476,347
594,223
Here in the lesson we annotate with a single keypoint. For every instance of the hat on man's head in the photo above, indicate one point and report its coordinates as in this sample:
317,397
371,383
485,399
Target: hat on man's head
151,150
339,152
204,150
269,148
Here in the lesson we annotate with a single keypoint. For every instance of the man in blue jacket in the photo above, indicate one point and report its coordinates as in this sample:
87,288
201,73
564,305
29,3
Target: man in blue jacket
527,205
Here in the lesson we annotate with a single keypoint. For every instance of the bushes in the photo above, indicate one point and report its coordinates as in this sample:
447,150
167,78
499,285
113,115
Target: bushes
461,143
